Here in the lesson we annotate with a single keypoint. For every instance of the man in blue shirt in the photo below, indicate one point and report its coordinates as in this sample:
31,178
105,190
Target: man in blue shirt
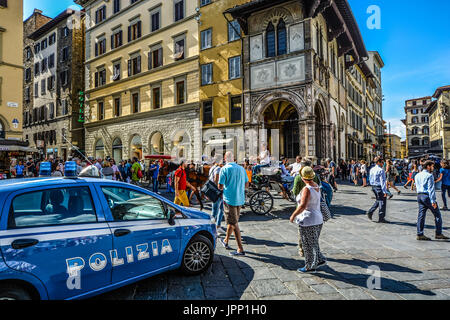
233,180
377,179
445,178
426,197
154,169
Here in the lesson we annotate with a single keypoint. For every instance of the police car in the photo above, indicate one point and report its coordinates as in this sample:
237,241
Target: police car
72,238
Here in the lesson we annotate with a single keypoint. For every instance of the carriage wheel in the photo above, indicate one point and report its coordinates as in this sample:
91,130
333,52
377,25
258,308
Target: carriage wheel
261,203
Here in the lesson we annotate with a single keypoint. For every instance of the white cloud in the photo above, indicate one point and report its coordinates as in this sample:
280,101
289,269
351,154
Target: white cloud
397,127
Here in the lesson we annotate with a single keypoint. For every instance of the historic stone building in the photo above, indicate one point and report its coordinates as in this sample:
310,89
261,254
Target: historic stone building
142,78
11,69
417,126
30,25
439,111
221,77
53,123
296,57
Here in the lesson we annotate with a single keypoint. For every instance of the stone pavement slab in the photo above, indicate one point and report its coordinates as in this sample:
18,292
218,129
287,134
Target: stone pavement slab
409,269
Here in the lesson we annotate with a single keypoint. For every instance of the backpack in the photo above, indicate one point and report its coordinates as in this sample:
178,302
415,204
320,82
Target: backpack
140,175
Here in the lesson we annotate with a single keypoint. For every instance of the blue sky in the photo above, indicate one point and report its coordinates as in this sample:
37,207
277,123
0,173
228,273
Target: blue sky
413,42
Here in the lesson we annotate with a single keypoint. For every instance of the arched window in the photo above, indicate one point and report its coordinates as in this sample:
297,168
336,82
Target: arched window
136,147
426,141
117,149
99,149
426,130
282,38
157,143
270,40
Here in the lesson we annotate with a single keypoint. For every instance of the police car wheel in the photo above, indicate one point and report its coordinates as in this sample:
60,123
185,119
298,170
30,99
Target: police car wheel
198,256
11,292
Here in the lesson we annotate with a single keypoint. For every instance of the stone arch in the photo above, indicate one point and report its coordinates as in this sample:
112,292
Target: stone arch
320,129
178,144
275,15
4,123
151,142
295,99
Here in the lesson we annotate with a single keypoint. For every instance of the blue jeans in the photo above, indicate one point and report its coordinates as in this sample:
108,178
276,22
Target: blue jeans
379,203
445,189
155,185
425,204
217,211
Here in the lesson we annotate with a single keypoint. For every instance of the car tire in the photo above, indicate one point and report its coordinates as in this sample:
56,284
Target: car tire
12,292
198,256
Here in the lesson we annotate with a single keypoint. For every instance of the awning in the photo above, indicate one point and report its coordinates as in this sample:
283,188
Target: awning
17,148
219,142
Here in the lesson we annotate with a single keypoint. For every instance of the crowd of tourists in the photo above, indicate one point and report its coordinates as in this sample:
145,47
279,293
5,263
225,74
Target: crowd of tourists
311,184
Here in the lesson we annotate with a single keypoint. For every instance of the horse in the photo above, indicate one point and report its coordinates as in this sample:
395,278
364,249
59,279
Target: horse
196,181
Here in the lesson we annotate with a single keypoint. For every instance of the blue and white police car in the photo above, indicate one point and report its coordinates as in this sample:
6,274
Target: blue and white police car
72,238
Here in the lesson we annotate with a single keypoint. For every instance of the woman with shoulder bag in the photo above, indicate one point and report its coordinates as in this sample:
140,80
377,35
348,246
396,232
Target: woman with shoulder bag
310,220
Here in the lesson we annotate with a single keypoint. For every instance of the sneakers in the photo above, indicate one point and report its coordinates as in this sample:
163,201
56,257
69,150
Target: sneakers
237,254
444,209
370,215
441,237
224,244
399,192
304,270
391,196
383,221
423,238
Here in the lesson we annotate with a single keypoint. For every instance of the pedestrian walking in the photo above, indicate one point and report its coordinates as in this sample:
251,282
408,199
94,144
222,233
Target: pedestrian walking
444,177
310,220
391,176
217,208
426,197
377,179
233,180
154,171
135,170
299,185
107,171
332,170
180,185
363,171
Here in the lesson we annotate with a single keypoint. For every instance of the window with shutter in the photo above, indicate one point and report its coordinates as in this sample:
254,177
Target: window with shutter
96,79
129,68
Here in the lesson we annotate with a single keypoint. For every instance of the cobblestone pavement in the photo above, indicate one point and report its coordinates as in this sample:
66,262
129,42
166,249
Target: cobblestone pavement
409,269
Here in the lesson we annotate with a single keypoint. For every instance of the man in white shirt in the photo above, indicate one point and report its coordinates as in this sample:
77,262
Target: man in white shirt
296,166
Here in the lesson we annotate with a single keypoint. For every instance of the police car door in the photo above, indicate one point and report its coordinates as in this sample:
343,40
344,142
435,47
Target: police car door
60,236
144,242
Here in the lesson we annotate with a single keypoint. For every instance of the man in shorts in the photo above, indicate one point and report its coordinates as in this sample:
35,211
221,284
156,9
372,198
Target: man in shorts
233,180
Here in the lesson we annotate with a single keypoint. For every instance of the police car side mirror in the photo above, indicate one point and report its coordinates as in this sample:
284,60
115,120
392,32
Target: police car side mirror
172,215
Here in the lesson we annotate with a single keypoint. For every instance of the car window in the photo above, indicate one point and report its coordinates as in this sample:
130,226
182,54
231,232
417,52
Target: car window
127,204
52,207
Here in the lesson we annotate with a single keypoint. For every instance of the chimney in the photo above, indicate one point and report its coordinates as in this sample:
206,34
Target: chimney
37,11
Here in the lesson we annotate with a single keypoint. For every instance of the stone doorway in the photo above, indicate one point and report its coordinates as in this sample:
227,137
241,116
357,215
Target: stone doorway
281,121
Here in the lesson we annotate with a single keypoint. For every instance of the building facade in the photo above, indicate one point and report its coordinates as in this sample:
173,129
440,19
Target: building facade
296,58
11,69
393,146
30,25
221,77
438,112
375,103
54,124
417,126
142,78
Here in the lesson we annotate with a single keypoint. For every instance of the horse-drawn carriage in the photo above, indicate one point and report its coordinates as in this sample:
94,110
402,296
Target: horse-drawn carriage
260,198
